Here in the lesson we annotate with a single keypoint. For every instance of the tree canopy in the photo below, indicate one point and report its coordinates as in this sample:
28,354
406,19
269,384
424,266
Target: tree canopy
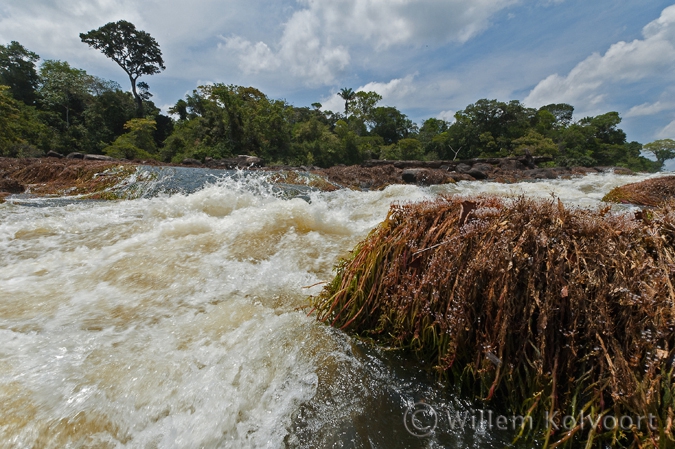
63,108
135,51
17,71
662,149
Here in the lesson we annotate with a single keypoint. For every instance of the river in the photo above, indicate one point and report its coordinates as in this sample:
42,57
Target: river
179,320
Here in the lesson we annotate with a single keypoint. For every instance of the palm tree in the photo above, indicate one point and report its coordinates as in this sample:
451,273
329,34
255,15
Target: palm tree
347,95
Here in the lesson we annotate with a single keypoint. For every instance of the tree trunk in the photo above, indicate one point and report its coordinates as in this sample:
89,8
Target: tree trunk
139,100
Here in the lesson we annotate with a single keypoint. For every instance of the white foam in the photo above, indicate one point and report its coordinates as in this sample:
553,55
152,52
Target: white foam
178,321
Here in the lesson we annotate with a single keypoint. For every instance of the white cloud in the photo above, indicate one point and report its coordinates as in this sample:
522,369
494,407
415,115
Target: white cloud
302,52
56,24
318,42
394,90
589,83
333,103
649,109
448,116
668,132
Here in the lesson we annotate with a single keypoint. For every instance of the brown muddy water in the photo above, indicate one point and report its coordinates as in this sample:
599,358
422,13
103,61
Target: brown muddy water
179,320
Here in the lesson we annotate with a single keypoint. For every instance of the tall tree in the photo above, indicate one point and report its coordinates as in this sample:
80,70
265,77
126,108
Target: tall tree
662,149
17,70
134,50
347,95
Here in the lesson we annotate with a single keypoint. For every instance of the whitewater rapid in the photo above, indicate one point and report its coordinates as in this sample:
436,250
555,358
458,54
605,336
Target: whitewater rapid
180,321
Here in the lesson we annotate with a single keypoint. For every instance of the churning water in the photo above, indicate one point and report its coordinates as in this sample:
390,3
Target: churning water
180,320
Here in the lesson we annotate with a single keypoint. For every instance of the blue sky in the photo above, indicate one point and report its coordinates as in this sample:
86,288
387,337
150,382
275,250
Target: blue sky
429,58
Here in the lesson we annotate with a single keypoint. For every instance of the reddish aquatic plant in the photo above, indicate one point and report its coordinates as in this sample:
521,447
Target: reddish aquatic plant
527,304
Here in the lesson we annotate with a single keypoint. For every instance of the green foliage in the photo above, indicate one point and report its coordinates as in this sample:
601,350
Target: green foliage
17,71
363,104
392,125
135,51
75,111
537,145
489,127
21,132
662,150
137,143
63,87
223,121
347,94
404,149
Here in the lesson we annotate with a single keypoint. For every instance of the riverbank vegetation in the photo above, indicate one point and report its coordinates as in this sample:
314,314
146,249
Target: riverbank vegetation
529,306
57,107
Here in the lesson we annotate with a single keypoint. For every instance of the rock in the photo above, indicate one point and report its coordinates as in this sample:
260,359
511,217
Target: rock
97,157
511,164
245,161
542,173
460,177
11,186
413,175
477,174
623,171
190,161
462,168
485,168
52,153
425,177
75,155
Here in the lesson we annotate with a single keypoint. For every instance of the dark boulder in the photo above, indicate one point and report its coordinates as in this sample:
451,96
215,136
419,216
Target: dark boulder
414,175
53,153
462,168
191,161
477,174
75,155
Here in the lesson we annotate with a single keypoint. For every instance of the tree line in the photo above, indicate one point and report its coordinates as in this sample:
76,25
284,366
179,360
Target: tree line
57,107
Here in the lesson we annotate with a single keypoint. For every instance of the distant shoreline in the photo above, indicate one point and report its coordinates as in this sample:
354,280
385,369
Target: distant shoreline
62,176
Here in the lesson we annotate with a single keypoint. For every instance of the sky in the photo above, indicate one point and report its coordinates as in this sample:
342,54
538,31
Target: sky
428,58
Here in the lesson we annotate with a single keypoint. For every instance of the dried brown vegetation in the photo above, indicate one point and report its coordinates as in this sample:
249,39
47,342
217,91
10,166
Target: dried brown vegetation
651,192
527,305
54,176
